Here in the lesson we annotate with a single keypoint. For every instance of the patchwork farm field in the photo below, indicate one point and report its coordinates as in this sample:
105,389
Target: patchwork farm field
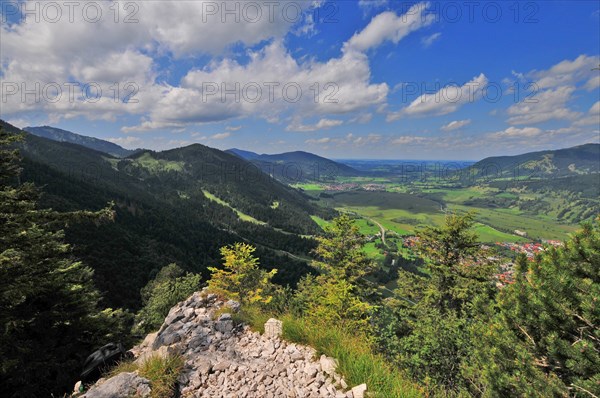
511,220
401,212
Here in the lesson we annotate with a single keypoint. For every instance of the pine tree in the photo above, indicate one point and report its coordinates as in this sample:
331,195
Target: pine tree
427,326
341,256
340,292
460,268
48,304
549,323
171,285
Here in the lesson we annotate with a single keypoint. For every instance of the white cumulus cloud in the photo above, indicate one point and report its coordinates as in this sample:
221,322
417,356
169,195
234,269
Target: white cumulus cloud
118,52
410,140
220,136
550,104
551,90
456,124
514,132
322,124
126,142
446,100
593,118
272,83
389,26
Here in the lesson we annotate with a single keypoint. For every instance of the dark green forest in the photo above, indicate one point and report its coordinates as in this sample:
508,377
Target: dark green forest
96,249
163,216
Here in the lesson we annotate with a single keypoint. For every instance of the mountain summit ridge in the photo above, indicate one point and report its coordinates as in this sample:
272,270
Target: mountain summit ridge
98,144
576,160
297,166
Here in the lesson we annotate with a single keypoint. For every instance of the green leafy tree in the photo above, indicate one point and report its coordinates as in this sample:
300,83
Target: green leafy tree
171,285
48,304
241,278
548,325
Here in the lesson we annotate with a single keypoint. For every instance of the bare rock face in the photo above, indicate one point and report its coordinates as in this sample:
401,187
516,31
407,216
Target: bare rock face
359,391
123,385
328,364
273,328
223,359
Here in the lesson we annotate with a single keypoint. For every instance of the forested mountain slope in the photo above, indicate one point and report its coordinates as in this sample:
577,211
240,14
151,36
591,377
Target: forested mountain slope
578,160
61,135
163,212
297,166
234,180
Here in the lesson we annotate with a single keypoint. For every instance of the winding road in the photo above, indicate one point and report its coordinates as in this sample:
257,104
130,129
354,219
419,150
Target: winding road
369,219
380,227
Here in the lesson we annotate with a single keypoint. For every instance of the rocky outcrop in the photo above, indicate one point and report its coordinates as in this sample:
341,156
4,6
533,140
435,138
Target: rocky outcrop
123,385
223,359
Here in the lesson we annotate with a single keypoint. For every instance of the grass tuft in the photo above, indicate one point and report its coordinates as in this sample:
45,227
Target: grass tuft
357,363
162,372
223,310
253,317
125,366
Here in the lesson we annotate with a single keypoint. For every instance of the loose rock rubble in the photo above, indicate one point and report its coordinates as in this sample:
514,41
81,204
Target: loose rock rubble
224,360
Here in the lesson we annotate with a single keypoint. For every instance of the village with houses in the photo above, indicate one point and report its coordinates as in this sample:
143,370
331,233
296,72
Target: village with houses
506,265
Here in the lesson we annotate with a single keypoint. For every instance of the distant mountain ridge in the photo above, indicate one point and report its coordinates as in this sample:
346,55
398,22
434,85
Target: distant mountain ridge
97,144
248,155
297,165
577,160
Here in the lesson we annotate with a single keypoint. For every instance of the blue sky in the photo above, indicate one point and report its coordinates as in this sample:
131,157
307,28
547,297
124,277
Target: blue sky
395,79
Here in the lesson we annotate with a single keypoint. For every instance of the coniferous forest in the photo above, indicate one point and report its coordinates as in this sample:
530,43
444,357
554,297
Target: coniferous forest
83,264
